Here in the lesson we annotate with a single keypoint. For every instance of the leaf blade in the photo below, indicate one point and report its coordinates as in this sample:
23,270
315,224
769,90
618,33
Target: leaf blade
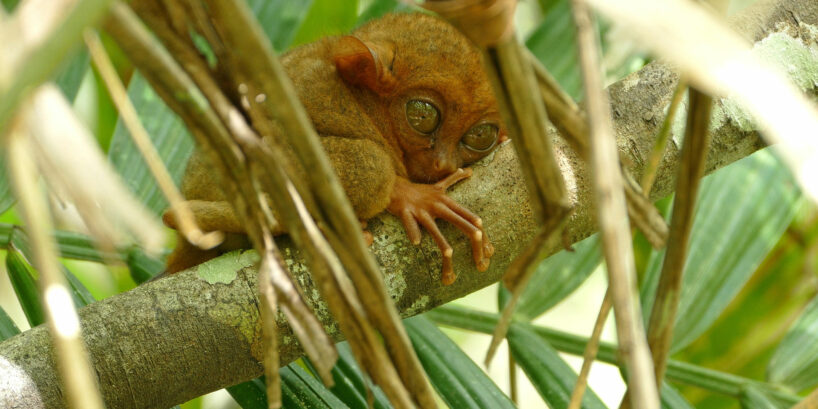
558,276
549,374
458,380
741,213
168,134
795,361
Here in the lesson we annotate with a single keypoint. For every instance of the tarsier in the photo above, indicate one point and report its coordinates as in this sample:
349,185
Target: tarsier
401,105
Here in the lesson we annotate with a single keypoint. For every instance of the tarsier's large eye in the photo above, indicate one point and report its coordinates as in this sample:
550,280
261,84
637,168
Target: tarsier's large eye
481,138
423,116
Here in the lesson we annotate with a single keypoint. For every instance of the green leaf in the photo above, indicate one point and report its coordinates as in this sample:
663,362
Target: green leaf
457,379
554,44
671,399
557,277
547,5
748,331
327,17
677,371
741,213
378,8
6,196
70,245
752,398
549,374
350,384
280,18
7,327
301,390
795,362
142,266
26,276
79,293
169,136
23,278
70,76
251,394
10,5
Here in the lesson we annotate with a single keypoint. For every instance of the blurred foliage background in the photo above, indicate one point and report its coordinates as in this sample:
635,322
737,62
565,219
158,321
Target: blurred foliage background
748,320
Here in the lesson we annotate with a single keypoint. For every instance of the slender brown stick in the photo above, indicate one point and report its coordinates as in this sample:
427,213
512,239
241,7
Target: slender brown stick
267,312
512,377
666,303
76,375
187,224
613,220
519,273
658,151
31,59
590,351
572,124
524,114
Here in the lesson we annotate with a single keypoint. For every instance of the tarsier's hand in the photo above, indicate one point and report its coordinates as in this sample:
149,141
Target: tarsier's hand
419,204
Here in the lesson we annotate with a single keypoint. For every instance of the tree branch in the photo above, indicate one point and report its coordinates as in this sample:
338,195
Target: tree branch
171,340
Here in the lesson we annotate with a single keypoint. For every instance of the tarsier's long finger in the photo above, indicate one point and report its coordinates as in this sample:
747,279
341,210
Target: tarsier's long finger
411,226
474,233
462,211
455,177
488,248
428,222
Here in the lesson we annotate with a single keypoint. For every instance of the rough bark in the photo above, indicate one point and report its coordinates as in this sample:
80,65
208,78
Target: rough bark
171,340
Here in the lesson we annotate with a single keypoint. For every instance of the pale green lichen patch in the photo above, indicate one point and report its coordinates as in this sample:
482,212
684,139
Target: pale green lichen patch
223,269
785,53
792,57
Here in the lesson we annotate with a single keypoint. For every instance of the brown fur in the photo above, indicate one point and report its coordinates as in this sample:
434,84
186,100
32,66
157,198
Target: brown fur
355,89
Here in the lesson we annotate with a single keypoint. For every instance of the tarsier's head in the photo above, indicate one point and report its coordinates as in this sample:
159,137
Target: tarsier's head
429,79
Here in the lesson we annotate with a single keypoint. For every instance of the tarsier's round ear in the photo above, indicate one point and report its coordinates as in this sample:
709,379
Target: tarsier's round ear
366,64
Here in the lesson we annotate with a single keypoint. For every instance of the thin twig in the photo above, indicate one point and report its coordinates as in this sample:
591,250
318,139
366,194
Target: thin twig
525,116
512,378
187,224
666,301
612,218
268,312
571,122
658,151
591,348
519,273
30,60
76,375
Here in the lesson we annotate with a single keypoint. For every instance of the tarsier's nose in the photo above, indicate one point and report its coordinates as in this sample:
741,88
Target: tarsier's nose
444,167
